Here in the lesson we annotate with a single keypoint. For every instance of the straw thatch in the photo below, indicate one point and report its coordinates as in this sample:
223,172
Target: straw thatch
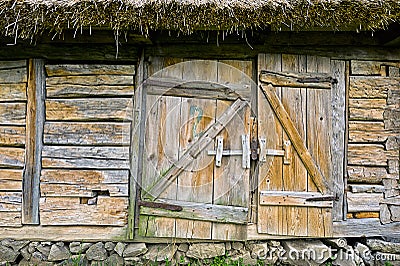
29,18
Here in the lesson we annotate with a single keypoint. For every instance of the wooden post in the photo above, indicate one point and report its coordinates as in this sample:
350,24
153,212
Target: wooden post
34,132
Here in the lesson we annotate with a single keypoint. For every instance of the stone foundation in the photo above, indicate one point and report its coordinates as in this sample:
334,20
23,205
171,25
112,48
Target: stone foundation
348,252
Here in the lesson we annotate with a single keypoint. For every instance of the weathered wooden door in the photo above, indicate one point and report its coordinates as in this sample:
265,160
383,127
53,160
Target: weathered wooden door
195,182
295,122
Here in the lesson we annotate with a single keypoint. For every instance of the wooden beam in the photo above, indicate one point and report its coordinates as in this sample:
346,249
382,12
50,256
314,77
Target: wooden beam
299,199
368,227
33,149
315,173
297,80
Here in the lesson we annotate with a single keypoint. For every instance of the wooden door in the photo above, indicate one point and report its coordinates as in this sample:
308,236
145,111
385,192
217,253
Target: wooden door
294,116
194,110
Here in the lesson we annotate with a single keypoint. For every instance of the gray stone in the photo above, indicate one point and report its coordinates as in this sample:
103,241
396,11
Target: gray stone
134,250
184,247
180,258
32,247
78,247
237,245
305,252
347,256
228,246
37,257
97,252
274,243
365,253
206,250
25,262
259,251
247,259
58,252
133,261
161,252
115,259
119,248
109,246
75,260
383,246
44,249
8,254
25,253
14,244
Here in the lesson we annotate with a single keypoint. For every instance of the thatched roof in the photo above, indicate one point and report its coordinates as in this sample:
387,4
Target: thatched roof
29,18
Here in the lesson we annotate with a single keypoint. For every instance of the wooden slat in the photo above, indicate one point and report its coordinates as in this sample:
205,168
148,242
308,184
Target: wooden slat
10,201
88,69
201,212
78,91
12,64
12,135
12,157
366,228
69,211
89,109
366,109
13,92
84,133
10,180
95,80
367,131
363,202
292,79
83,183
308,161
85,157
367,68
369,175
287,198
372,87
12,113
367,154
15,75
367,188
9,220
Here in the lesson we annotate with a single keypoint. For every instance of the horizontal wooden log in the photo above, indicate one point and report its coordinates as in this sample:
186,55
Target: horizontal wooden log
70,211
9,219
366,109
372,87
90,157
367,68
84,183
12,64
89,109
78,91
12,135
367,155
12,113
10,180
296,80
368,131
201,211
84,133
369,175
89,69
10,201
363,215
94,80
301,199
367,188
188,88
15,75
12,157
13,92
363,202
370,227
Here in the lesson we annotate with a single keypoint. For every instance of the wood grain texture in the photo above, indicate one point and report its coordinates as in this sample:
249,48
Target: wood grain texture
366,227
289,198
81,91
10,180
366,174
12,157
12,135
12,64
9,220
368,131
367,154
89,109
69,211
367,109
371,87
367,68
85,133
88,69
15,75
364,202
294,80
10,201
12,113
13,92
95,80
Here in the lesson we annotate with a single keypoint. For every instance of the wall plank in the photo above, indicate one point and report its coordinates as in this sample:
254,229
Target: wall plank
13,92
94,80
10,180
12,113
12,157
367,154
372,87
10,201
75,91
366,109
12,135
88,69
366,174
15,75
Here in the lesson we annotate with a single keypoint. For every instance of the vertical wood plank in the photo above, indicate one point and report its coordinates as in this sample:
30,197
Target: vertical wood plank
34,133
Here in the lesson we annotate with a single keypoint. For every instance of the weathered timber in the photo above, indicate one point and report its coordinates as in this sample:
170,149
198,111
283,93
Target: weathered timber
94,80
364,202
10,180
12,135
85,157
12,157
34,131
198,89
83,183
368,131
89,109
305,156
70,211
9,220
367,68
12,64
75,91
369,175
366,109
392,201
10,201
13,92
372,87
85,133
367,188
12,113
367,155
363,215
297,80
88,69
392,119
393,143
393,97
16,75
300,199
366,228
201,212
